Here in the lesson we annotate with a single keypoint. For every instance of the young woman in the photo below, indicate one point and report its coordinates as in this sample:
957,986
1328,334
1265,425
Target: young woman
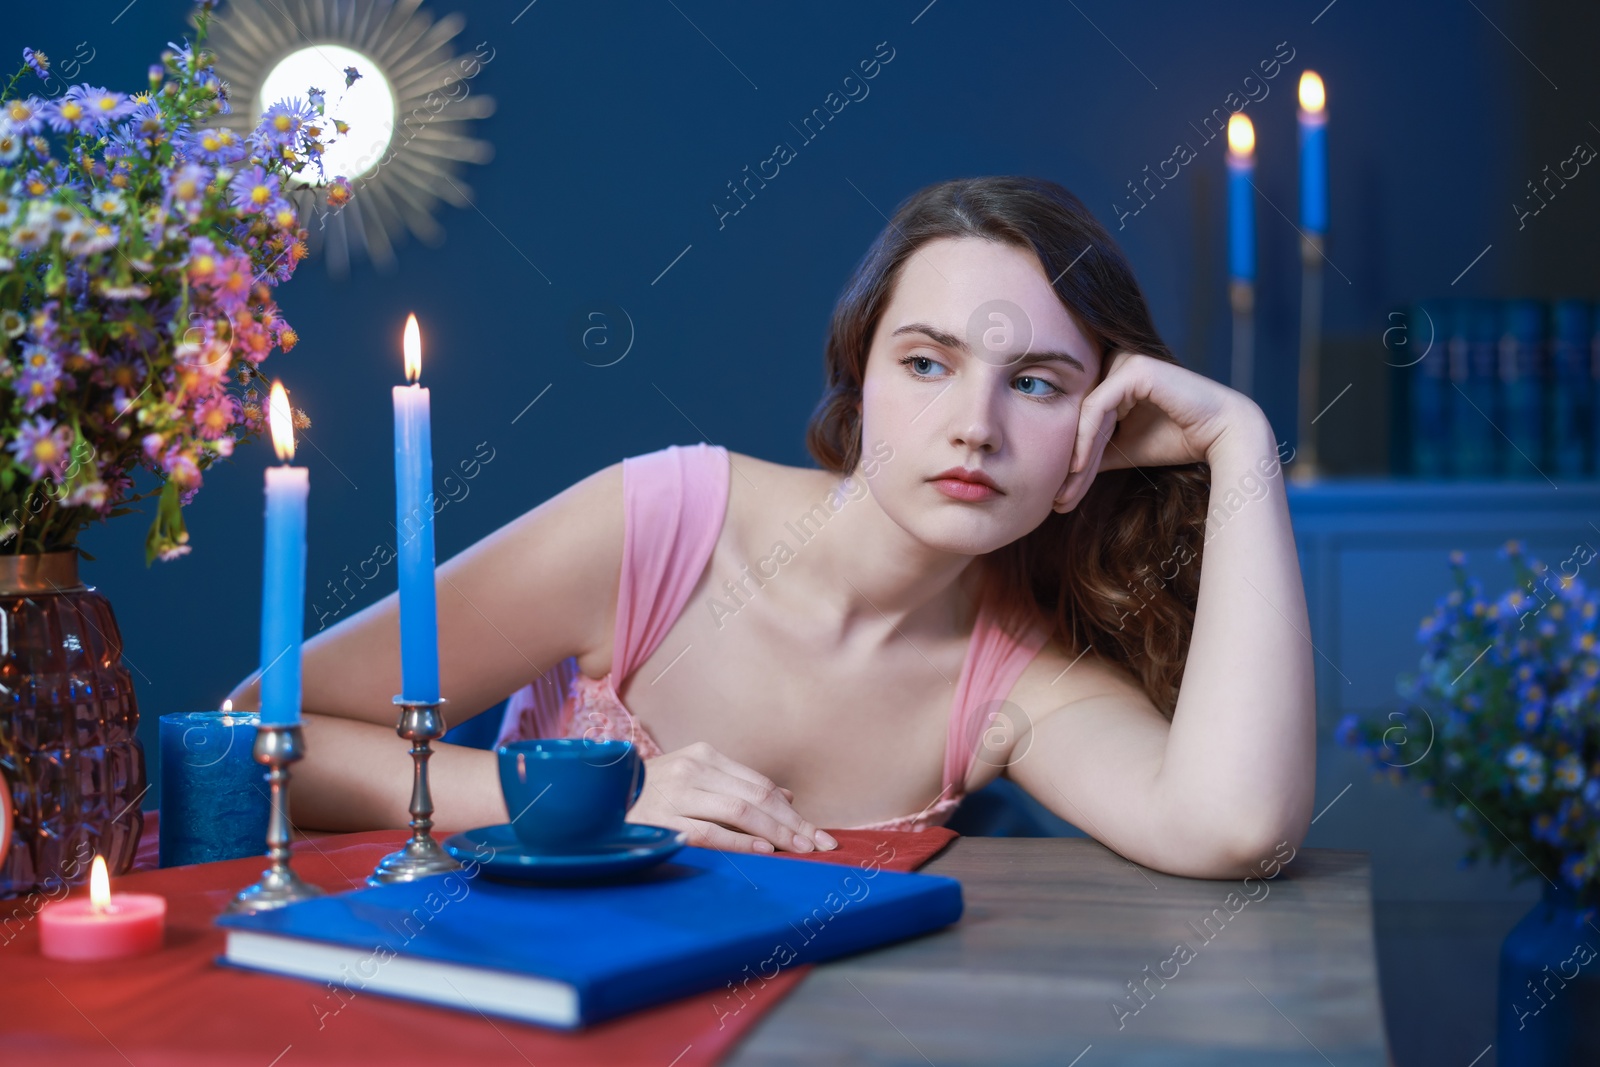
997,570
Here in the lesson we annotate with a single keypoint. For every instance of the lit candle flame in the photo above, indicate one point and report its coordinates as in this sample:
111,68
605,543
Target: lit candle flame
413,348
1241,135
1313,96
282,422
99,885
227,705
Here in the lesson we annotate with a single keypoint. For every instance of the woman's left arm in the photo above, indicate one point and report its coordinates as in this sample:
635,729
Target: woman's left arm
1243,738
1238,761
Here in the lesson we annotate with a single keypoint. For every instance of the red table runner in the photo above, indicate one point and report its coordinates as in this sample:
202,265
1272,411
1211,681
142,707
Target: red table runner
179,1008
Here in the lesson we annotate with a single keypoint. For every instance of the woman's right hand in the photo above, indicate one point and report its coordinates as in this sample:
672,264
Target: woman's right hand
722,804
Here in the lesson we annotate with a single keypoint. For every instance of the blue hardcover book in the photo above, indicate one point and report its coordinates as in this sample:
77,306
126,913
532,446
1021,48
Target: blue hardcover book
1522,388
1474,392
569,956
1424,361
1572,391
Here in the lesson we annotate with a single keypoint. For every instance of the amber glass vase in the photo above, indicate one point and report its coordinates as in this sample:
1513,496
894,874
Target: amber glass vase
69,748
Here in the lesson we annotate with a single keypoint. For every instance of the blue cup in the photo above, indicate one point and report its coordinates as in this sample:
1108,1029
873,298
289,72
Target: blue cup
565,794
214,796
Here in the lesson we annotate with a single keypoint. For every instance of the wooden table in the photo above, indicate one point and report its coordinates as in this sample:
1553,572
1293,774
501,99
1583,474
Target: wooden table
1054,931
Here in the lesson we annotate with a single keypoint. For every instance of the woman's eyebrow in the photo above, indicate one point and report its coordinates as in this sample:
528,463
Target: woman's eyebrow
949,340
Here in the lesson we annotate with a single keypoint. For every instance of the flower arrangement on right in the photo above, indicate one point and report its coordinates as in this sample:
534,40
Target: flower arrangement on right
1511,741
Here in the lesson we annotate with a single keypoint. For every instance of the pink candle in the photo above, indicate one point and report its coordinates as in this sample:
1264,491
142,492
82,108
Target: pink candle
104,927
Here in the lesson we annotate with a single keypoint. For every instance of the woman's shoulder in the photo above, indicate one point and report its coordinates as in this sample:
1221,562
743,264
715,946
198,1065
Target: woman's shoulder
1060,674
762,494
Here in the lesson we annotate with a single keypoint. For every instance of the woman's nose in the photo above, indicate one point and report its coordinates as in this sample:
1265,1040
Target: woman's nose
974,422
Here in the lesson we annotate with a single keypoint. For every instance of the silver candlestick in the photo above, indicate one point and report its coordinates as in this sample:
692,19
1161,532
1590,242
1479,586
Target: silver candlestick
276,747
1242,298
1307,465
420,723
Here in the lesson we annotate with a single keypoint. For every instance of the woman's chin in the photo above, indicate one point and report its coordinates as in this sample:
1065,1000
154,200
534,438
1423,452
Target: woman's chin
965,529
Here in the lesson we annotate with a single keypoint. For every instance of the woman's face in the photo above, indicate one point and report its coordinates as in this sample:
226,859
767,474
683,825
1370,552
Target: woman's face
974,364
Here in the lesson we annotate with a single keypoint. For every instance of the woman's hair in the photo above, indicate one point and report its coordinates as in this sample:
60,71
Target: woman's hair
1120,573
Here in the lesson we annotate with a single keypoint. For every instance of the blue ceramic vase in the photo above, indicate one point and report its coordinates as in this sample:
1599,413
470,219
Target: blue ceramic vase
1549,989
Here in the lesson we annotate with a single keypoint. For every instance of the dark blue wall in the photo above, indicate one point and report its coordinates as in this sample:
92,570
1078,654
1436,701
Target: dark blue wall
618,127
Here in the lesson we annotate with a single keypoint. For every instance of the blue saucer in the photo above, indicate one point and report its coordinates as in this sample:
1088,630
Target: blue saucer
635,847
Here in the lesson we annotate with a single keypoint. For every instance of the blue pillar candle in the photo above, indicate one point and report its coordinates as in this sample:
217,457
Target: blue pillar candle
413,480
1313,154
214,798
283,583
1241,199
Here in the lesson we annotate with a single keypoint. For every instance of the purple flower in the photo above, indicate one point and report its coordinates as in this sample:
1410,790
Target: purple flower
41,374
1347,732
182,55
37,62
350,76
187,185
253,190
142,133
42,448
220,145
70,113
281,122
1569,771
106,106
282,215
26,114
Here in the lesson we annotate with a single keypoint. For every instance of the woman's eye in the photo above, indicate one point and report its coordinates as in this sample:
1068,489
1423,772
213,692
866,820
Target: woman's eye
1028,380
921,366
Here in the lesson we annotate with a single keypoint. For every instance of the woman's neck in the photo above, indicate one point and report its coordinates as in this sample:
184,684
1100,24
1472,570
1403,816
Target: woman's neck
866,576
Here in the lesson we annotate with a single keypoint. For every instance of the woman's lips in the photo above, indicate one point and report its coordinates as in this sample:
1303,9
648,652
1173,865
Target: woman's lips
970,492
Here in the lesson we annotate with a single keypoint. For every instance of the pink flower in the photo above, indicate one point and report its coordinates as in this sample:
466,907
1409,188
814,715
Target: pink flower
181,468
214,416
231,282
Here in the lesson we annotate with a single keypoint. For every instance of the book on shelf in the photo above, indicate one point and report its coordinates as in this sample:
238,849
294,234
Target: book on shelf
1496,389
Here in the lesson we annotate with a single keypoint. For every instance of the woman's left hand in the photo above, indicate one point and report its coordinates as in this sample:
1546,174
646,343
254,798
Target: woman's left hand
1148,412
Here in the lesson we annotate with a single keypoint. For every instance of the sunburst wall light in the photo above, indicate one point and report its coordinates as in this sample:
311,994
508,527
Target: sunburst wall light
409,112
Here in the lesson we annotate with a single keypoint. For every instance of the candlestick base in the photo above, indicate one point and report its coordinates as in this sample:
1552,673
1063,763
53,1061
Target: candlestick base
276,747
420,723
1305,471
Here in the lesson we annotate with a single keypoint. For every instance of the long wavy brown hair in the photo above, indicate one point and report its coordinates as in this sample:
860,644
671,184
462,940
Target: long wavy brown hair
1120,573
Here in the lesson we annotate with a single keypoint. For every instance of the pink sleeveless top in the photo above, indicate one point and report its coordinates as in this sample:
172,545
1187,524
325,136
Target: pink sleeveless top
674,502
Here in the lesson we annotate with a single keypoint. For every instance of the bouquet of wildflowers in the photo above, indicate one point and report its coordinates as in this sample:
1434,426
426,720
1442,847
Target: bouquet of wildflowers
139,246
1512,748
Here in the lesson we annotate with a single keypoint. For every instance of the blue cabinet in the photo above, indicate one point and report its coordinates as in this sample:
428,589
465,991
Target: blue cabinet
1373,557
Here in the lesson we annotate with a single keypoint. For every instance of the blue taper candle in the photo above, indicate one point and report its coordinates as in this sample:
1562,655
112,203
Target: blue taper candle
1241,199
413,479
283,583
1313,154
